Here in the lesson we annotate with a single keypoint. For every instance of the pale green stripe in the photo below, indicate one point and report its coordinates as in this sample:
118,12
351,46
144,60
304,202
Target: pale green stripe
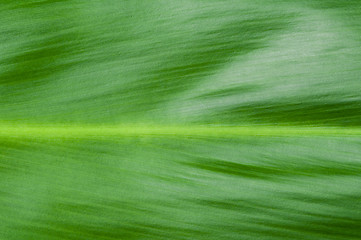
85,131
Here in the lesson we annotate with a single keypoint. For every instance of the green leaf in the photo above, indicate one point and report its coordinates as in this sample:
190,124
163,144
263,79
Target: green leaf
186,119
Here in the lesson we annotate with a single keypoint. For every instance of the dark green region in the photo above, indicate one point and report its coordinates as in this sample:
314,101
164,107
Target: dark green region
293,113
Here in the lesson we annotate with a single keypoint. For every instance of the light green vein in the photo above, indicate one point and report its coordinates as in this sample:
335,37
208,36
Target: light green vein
94,131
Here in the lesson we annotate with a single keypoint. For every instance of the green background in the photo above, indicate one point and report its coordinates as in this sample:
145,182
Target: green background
180,63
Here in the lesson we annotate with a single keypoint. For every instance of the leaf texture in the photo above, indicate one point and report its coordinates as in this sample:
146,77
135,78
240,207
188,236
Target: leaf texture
191,119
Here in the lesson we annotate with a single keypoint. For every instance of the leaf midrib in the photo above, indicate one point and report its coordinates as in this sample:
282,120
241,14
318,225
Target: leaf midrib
144,130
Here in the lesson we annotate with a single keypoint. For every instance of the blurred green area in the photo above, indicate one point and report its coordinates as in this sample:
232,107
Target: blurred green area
191,62
240,62
170,188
